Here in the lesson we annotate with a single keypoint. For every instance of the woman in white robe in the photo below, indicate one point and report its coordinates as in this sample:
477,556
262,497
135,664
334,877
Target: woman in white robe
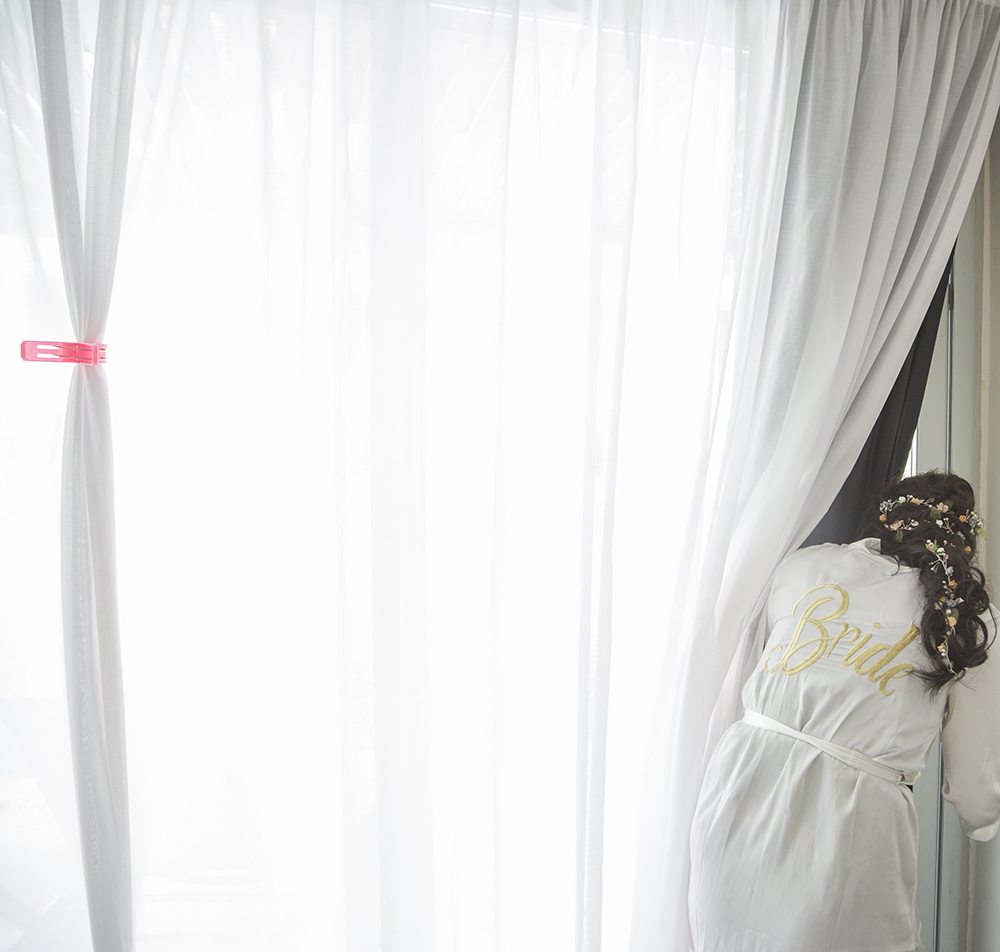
805,834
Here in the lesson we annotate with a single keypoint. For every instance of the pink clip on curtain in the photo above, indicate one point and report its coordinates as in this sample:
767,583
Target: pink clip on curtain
88,209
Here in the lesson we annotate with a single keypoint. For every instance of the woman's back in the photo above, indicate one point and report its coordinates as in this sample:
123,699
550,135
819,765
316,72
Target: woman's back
842,653
793,849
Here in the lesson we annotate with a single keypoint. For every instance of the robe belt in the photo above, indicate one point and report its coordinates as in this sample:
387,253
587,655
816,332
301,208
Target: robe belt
853,758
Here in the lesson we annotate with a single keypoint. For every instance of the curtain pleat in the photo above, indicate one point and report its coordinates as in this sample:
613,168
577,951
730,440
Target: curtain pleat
869,188
616,128
888,445
397,345
88,247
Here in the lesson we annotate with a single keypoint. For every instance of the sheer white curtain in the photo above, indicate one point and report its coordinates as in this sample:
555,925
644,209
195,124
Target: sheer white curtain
879,122
82,95
399,238
440,324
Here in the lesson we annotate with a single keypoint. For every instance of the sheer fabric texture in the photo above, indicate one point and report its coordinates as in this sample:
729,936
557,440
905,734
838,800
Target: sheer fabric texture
444,338
855,209
87,157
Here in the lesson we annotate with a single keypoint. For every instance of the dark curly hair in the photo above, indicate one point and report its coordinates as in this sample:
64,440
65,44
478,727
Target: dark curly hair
904,533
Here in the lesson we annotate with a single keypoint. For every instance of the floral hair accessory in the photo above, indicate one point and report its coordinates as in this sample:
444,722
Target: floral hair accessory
973,521
949,601
943,651
944,517
941,514
898,525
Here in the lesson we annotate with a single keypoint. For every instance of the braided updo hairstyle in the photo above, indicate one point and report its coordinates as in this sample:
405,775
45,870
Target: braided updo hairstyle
943,519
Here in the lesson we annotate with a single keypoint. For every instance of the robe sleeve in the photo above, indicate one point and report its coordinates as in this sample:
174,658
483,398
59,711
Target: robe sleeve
971,742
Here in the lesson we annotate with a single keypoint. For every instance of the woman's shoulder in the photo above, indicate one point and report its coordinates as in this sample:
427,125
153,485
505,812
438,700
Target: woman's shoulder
843,564
862,552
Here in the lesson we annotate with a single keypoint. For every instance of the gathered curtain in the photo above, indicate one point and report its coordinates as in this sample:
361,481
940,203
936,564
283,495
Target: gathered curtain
885,111
890,445
476,364
85,112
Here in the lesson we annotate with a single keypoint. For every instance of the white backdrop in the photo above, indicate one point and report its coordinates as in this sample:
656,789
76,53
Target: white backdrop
444,339
408,479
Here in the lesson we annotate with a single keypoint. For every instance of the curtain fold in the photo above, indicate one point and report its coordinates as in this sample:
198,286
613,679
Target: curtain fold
398,265
88,225
888,445
617,71
873,185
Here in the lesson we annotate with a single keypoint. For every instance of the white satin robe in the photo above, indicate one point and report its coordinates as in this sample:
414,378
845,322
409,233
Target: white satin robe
794,851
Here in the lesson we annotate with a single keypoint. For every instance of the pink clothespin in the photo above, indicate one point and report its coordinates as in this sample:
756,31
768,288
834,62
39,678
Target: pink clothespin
63,352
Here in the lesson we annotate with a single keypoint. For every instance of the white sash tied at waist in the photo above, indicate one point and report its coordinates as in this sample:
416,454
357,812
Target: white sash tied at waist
845,755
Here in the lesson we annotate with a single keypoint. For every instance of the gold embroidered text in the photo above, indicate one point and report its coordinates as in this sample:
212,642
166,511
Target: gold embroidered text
816,614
